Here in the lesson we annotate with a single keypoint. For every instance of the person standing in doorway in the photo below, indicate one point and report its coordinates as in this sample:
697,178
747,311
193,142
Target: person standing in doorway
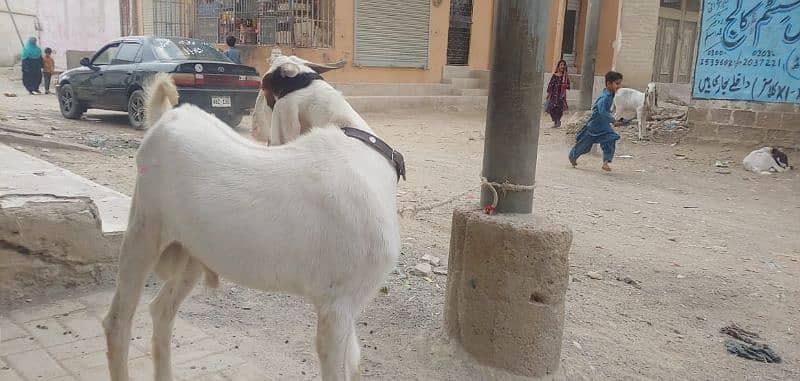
32,66
598,128
48,68
557,93
232,53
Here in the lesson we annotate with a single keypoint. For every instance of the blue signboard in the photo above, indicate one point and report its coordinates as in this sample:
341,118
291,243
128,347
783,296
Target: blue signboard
749,50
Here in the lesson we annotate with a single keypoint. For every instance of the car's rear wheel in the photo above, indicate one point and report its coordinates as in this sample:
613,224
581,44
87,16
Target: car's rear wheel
71,108
233,120
136,109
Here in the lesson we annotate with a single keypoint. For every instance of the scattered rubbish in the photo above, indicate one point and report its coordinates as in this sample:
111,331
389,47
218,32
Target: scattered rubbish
652,202
41,326
680,276
744,344
722,164
22,117
680,154
594,275
385,290
637,212
40,173
593,214
641,170
625,157
631,282
691,207
10,95
400,274
441,270
577,345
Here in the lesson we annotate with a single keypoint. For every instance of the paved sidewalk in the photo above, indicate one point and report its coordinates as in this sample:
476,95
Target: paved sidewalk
64,341
23,174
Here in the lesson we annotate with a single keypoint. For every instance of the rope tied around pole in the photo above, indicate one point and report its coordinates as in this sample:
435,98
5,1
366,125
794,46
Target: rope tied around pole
504,187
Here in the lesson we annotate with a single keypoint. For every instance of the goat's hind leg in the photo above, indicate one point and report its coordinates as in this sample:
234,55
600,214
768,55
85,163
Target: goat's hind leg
337,344
182,273
138,255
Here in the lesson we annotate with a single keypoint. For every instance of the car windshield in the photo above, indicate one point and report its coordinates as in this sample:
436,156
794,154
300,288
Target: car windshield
186,49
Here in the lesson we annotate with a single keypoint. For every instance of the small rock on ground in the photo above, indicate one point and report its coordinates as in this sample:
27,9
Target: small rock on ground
594,275
432,259
441,270
422,269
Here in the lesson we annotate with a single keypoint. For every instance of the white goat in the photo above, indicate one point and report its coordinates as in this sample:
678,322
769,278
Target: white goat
630,104
766,160
316,218
280,117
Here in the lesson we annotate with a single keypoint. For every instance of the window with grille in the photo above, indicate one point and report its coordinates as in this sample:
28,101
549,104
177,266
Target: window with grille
298,23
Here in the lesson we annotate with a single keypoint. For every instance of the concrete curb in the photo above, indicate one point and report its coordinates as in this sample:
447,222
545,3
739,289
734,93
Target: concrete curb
16,139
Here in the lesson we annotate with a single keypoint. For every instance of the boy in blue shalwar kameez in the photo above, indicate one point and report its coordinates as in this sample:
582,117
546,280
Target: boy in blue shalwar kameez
598,128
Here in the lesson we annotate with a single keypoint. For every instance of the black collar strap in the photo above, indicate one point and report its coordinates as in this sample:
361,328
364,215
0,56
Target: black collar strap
394,157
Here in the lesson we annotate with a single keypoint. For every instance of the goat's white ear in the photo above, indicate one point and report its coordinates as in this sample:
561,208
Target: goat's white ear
289,70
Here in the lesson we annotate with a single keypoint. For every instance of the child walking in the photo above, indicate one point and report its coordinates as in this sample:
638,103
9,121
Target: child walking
233,53
598,128
48,68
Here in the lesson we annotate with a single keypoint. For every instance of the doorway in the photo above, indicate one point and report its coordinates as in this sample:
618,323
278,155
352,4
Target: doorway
458,36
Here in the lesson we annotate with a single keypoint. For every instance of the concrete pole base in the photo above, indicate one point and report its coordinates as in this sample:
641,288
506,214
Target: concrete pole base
507,281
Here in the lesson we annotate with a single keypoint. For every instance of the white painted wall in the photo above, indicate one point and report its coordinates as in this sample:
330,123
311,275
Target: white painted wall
25,17
77,25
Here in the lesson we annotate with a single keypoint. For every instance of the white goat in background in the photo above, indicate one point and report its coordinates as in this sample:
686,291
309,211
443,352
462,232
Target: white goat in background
316,217
631,103
279,117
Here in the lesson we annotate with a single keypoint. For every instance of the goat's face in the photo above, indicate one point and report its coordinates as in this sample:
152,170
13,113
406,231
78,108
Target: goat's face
652,92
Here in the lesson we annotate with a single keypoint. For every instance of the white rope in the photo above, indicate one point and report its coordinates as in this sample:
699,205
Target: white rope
505,187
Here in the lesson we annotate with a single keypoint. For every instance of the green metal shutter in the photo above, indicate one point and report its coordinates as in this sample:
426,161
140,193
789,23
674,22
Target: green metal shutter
392,33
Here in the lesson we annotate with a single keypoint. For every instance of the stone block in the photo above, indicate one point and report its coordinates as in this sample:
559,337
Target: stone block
704,130
9,330
8,374
506,288
36,365
219,362
720,116
790,122
49,332
23,344
696,114
744,118
45,311
769,120
784,139
741,135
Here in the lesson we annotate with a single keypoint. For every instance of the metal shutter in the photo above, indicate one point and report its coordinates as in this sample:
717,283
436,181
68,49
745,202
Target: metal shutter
392,33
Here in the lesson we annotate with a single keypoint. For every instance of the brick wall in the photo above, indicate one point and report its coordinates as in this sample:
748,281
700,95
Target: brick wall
746,123
637,42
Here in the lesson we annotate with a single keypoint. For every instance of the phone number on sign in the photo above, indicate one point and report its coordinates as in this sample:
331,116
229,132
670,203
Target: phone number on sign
751,62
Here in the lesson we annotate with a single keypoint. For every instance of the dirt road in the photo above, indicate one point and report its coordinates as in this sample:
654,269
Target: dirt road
709,246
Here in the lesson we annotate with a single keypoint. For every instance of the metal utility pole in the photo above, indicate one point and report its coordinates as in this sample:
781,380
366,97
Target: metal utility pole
515,102
589,55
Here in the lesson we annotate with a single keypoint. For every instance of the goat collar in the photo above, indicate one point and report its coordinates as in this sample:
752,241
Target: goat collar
281,86
394,157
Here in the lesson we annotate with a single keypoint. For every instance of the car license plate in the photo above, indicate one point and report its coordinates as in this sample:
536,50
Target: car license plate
220,101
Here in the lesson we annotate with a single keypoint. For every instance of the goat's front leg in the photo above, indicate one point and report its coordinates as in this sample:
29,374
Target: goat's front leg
641,114
337,344
163,309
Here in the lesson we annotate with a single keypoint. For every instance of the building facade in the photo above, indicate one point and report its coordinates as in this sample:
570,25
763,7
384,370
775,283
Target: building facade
63,25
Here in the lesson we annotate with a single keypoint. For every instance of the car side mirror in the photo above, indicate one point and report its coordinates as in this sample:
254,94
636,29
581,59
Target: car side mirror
85,61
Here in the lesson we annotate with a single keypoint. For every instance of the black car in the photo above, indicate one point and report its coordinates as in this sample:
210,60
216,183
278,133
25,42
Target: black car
115,77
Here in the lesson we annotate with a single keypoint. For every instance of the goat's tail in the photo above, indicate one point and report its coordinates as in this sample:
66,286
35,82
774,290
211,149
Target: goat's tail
161,96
